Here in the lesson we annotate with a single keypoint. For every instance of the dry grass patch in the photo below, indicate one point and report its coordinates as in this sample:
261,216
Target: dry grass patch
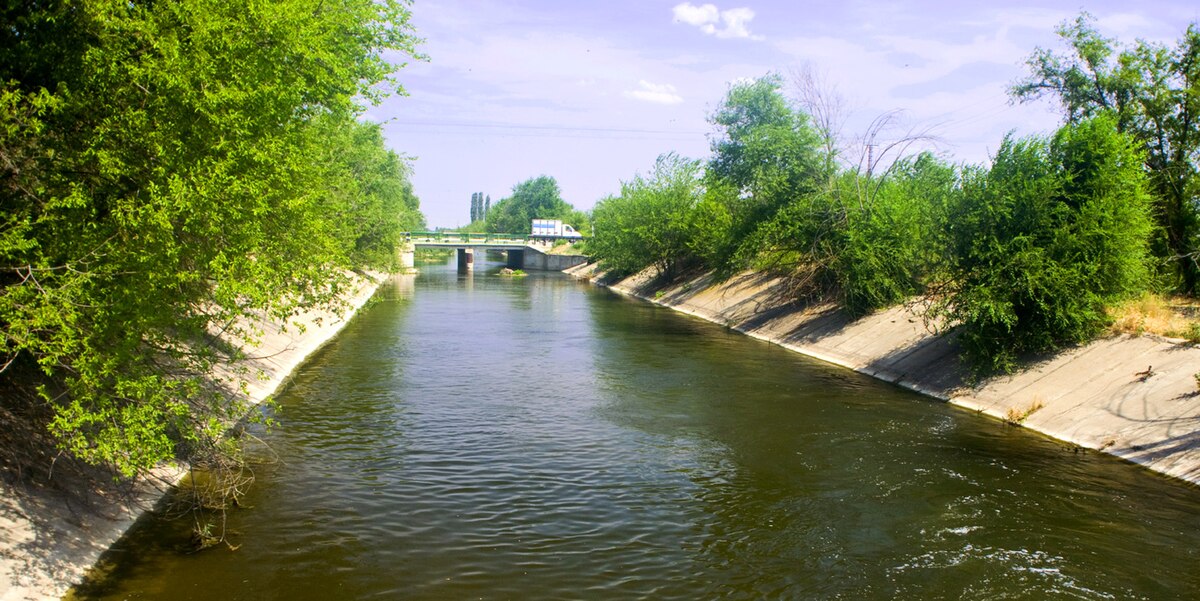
1016,416
1154,314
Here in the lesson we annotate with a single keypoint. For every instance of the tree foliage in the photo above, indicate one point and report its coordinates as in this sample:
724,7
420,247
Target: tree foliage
1152,92
776,199
887,246
650,221
765,155
1042,241
534,198
1021,256
166,169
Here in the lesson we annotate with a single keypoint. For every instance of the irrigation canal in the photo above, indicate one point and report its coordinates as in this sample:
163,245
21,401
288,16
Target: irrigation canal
477,436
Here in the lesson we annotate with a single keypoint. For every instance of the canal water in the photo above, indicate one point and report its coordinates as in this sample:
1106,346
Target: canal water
488,437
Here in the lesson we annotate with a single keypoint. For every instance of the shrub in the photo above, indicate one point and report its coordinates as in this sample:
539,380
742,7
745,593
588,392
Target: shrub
650,221
885,248
868,242
1041,242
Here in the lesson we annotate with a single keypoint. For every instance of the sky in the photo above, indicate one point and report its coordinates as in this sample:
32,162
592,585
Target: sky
592,92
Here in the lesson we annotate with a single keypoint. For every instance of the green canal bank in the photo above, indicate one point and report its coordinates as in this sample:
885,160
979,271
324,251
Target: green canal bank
48,542
1135,397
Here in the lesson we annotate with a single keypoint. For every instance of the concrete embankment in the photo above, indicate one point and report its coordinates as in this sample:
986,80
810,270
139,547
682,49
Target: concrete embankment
1135,397
47,542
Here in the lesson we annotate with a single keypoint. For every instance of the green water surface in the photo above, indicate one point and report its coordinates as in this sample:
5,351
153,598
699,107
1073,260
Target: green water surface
483,437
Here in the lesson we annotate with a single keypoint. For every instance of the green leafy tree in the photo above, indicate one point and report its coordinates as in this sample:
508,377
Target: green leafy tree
650,221
775,200
534,198
369,186
1153,93
1041,242
170,168
765,155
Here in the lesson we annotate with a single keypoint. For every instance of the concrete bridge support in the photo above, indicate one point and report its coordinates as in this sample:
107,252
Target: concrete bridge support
533,260
407,251
466,259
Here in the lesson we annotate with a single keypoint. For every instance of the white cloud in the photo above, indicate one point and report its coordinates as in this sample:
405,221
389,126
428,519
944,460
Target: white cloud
708,16
735,23
656,93
698,16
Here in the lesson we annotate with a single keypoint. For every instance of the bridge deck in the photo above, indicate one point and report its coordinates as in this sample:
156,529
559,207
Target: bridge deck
471,240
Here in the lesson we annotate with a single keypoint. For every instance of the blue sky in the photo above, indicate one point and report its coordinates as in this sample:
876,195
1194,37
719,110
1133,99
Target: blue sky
591,93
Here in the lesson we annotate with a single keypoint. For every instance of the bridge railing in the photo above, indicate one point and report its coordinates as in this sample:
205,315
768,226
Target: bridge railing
465,237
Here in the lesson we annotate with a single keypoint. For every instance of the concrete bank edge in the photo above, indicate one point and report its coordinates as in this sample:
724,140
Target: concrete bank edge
46,548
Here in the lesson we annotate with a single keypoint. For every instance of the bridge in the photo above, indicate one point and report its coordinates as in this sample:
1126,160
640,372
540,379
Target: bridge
523,252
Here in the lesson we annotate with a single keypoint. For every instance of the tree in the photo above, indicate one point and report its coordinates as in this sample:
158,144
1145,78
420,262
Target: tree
534,198
650,221
1041,242
765,155
168,169
1153,93
370,196
487,206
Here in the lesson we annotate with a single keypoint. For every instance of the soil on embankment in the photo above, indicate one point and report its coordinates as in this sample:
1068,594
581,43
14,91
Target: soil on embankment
1135,397
48,539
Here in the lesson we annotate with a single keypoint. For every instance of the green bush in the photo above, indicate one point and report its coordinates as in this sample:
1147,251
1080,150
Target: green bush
766,154
650,221
1038,244
884,250
865,241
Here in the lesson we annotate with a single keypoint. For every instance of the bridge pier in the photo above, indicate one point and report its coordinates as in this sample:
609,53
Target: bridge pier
466,259
407,251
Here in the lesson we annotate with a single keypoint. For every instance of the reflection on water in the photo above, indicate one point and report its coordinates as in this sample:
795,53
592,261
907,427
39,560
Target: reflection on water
478,436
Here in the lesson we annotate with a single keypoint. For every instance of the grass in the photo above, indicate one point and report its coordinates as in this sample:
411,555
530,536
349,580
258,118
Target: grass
1017,416
1155,314
562,247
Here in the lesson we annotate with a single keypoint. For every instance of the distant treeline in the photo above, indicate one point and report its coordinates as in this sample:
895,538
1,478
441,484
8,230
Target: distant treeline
167,168
1021,255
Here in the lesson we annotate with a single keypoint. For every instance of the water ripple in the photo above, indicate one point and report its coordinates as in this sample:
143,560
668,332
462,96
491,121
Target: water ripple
499,439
